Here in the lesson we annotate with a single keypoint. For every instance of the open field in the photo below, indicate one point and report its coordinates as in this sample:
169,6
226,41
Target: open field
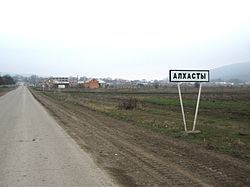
146,145
224,115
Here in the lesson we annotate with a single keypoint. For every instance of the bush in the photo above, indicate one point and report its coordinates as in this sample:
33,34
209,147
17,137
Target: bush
129,104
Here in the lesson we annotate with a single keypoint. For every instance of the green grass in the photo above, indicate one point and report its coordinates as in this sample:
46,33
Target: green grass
225,105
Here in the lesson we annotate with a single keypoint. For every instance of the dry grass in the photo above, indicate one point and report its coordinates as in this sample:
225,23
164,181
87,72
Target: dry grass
224,116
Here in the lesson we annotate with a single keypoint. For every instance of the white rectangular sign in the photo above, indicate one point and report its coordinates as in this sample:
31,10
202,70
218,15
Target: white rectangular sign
61,86
189,75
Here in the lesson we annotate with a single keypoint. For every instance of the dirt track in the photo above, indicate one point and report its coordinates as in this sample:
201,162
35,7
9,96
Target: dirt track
136,156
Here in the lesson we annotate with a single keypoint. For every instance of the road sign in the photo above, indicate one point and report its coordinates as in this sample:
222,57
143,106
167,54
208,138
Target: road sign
189,75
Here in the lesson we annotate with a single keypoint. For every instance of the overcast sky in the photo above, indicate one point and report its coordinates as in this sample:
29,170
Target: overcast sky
132,39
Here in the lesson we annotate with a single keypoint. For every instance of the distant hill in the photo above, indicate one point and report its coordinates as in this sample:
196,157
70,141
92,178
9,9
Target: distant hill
239,71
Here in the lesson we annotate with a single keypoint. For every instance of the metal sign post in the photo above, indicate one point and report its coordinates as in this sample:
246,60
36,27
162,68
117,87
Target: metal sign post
189,76
182,108
197,108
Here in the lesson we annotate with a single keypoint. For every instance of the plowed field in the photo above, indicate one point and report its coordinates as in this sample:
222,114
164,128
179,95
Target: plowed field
138,156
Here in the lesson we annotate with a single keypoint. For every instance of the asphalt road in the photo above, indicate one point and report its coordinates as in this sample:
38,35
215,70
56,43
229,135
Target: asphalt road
35,150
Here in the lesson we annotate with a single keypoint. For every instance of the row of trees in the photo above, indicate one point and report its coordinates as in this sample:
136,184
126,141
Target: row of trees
6,80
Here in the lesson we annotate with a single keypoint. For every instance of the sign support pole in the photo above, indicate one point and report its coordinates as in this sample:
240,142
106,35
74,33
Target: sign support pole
197,108
180,76
182,109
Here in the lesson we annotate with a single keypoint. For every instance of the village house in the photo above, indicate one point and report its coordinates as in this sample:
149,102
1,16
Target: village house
56,82
66,82
92,84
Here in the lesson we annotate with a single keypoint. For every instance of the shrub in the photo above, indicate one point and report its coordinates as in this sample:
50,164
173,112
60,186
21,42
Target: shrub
128,104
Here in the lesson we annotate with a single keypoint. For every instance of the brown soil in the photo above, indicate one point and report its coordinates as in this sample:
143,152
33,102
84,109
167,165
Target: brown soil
3,91
136,156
